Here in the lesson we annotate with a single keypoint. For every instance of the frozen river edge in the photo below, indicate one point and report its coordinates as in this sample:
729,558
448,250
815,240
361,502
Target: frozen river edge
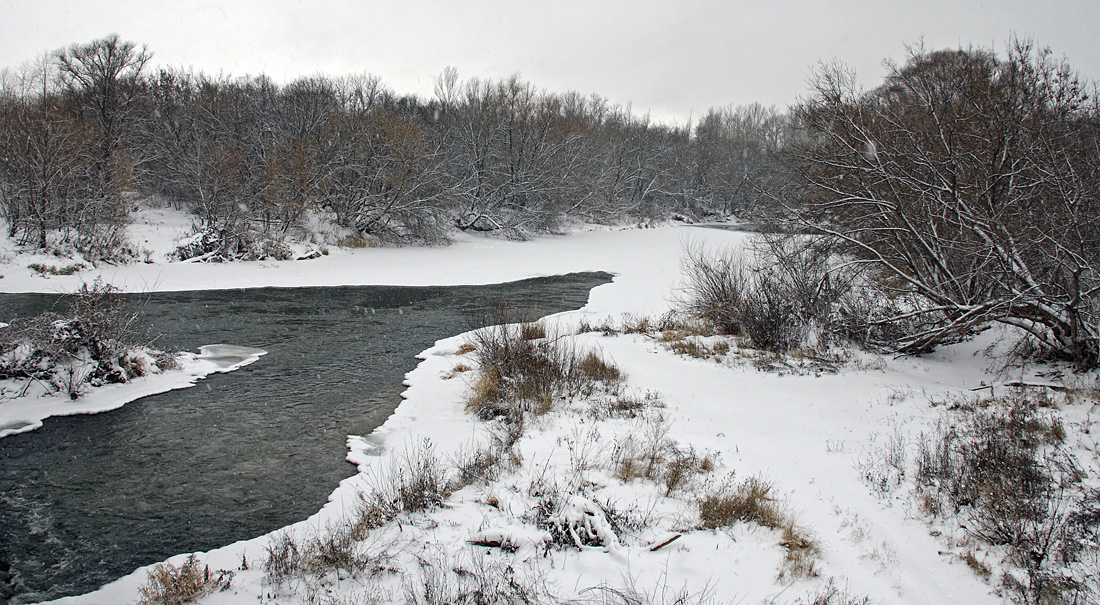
23,414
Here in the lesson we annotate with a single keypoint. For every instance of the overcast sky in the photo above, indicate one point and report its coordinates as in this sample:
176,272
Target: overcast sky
672,59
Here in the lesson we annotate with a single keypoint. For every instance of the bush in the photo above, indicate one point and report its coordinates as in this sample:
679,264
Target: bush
228,244
714,288
892,173
93,343
781,294
1000,465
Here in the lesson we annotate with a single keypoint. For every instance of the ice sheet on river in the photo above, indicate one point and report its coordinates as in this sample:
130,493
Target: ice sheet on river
26,413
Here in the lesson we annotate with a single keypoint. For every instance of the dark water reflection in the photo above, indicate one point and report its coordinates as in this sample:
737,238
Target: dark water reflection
87,499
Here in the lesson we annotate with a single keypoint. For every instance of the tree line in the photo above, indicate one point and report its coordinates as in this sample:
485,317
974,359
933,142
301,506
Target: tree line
966,186
87,129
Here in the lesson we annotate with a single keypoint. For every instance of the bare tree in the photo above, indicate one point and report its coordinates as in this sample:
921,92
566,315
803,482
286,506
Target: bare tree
102,80
47,156
972,182
102,76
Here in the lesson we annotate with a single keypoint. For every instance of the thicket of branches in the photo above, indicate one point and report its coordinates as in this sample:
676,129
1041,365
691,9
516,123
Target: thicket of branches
91,343
82,130
971,182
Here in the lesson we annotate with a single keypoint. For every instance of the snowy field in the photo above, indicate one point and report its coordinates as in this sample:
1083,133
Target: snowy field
816,436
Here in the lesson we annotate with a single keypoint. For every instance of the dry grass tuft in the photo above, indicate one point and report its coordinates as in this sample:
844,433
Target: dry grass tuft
693,347
605,327
167,584
622,405
483,464
340,550
43,269
467,577
802,554
455,371
518,375
594,367
466,347
532,330
655,457
831,594
976,565
751,501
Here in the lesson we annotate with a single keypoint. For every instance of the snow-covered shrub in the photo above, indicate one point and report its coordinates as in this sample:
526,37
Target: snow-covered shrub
226,244
576,521
93,343
167,584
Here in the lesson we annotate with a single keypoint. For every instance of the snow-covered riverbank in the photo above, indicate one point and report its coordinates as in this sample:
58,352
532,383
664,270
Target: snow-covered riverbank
812,435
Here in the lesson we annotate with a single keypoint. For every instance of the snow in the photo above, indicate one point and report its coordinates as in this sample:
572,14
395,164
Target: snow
811,434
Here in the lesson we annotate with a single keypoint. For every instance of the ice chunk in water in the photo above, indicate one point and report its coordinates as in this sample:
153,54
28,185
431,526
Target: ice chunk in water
17,426
230,357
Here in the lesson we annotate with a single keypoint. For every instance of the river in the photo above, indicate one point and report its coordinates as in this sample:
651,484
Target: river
87,499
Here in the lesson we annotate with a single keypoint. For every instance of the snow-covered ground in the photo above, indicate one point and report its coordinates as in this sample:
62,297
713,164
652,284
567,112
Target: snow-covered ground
813,435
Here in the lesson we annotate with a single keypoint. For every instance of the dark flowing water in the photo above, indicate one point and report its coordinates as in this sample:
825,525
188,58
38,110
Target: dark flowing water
87,499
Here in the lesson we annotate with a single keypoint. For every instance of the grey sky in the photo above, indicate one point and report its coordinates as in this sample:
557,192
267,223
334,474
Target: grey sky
673,59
